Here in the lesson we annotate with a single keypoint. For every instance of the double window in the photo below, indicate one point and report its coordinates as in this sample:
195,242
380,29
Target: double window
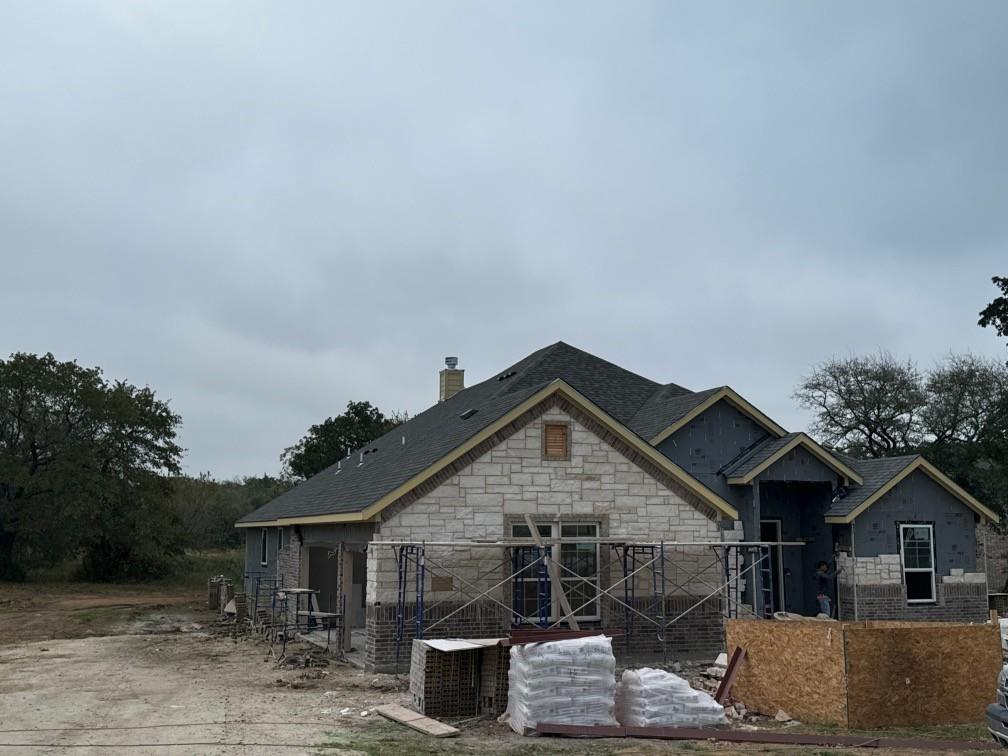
577,559
917,552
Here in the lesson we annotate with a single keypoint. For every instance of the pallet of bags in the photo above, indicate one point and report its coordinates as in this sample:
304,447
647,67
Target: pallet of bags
562,682
655,698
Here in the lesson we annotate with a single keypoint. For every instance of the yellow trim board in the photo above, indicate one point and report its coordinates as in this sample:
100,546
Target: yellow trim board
556,387
812,448
734,399
935,474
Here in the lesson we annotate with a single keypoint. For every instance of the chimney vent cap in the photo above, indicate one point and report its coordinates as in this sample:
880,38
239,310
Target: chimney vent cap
451,362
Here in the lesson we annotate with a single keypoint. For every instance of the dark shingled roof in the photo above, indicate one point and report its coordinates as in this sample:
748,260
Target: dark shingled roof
666,406
435,432
757,456
876,473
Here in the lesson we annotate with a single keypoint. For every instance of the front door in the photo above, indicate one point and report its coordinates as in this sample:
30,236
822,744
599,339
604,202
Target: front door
770,530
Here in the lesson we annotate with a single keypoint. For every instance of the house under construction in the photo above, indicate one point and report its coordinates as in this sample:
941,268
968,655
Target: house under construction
565,490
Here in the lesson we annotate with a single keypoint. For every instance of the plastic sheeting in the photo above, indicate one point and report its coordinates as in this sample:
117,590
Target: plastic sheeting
655,698
562,682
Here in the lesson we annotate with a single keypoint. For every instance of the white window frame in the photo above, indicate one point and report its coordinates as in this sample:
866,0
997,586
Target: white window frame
555,610
902,546
263,547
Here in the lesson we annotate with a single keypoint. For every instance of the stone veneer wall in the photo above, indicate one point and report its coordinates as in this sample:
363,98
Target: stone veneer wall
600,483
992,555
879,570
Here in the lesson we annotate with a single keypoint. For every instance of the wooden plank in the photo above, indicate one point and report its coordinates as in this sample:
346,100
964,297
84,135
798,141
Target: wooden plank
738,656
417,721
554,576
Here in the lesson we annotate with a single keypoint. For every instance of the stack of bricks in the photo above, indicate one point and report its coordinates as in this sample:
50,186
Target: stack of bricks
213,592
444,684
494,666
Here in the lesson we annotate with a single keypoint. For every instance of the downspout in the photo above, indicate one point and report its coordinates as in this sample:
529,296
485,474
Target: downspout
854,569
986,572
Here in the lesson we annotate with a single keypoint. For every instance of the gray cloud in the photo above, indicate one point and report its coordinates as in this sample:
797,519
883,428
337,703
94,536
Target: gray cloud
266,210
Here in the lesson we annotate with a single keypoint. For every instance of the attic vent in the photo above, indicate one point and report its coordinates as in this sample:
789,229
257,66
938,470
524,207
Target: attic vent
507,375
468,413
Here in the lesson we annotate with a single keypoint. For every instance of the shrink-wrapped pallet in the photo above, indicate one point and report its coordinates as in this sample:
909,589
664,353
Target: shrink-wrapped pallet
562,682
655,698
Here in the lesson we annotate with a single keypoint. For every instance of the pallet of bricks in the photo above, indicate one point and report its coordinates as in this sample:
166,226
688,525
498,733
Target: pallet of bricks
494,666
446,678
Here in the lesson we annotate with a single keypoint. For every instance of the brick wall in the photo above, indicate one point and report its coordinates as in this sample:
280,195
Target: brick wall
289,559
957,602
482,619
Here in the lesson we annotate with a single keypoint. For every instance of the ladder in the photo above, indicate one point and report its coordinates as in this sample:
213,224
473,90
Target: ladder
766,581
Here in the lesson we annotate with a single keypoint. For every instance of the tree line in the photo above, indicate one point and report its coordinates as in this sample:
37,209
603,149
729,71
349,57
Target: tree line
90,471
90,468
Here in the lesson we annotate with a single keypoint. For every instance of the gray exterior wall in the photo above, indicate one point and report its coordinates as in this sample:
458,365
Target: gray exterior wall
253,567
917,498
713,439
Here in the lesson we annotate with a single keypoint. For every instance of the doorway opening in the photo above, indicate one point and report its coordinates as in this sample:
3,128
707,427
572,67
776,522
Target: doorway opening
770,530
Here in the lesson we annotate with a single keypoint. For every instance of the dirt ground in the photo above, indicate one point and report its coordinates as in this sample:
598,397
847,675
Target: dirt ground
108,671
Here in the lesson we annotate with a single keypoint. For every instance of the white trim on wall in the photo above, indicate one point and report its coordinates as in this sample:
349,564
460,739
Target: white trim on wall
904,526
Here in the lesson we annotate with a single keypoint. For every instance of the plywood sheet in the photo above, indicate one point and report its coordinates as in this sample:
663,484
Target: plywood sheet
795,666
416,721
920,674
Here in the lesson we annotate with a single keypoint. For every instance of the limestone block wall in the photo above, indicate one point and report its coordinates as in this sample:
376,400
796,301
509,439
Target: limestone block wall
878,570
598,484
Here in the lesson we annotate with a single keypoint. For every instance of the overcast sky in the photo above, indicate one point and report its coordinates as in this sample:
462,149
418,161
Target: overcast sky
264,210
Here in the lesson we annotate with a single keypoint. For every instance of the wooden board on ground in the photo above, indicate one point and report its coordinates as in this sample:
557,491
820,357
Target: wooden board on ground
913,676
794,666
416,721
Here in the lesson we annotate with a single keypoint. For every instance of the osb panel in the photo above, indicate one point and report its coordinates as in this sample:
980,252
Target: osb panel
795,666
921,675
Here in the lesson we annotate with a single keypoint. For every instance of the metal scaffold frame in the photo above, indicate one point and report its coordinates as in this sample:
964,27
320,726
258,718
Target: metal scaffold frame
529,559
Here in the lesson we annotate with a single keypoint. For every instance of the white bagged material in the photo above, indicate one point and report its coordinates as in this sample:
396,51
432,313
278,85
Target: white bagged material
652,697
563,682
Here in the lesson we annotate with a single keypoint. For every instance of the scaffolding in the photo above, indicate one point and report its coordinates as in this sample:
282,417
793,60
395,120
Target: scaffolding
647,569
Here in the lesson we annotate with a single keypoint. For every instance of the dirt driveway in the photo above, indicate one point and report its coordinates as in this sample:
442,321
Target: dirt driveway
156,674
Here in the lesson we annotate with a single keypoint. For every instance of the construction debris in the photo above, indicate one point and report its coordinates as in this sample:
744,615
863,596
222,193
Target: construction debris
569,682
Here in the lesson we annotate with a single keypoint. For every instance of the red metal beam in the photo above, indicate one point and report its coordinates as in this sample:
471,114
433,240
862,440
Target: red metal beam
738,656
763,736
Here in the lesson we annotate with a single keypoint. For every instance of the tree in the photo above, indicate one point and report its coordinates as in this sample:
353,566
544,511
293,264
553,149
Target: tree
335,437
955,415
996,313
871,406
208,508
82,466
